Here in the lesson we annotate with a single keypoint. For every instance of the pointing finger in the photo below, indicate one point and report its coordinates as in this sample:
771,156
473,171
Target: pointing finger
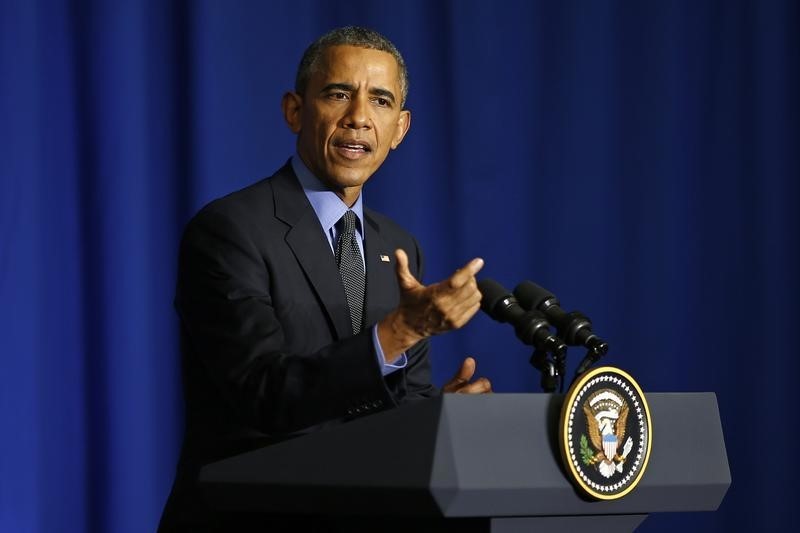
465,273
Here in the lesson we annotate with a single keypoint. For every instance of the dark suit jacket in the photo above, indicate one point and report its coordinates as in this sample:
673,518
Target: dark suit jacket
268,351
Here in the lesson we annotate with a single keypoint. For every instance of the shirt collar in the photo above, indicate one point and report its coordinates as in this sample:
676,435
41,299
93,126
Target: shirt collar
328,207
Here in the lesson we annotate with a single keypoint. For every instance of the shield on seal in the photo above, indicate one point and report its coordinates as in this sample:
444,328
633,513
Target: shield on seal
610,446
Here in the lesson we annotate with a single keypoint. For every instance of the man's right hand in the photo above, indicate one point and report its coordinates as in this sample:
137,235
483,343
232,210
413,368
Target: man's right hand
428,310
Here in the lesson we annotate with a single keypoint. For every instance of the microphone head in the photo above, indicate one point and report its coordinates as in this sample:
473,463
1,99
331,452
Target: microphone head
498,302
530,295
493,293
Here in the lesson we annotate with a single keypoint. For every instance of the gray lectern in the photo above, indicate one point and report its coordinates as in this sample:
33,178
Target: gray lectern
485,463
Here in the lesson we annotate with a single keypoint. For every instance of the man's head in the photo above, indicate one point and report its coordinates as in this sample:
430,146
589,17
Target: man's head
349,36
347,108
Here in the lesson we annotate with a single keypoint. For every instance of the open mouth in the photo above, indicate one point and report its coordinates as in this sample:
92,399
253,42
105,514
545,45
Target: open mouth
353,149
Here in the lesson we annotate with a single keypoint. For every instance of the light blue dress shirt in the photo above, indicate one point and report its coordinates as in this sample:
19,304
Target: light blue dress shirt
329,208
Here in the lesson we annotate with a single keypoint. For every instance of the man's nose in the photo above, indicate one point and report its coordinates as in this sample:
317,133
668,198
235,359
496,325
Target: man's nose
357,116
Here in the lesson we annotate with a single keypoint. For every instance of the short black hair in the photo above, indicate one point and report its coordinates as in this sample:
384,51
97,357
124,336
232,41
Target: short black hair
348,36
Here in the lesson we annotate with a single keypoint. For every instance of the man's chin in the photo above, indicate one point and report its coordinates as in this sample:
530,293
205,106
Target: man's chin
346,177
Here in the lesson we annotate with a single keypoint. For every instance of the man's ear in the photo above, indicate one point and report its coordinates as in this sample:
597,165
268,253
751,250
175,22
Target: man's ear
292,107
403,123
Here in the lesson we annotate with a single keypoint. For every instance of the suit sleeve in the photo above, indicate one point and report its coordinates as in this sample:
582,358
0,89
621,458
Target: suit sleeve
236,340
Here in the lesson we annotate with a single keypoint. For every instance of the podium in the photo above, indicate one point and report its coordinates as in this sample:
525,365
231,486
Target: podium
478,462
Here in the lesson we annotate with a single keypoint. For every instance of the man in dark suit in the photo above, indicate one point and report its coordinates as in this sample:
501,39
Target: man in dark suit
301,308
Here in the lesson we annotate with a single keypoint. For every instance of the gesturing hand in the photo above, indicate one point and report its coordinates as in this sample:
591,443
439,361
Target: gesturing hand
441,306
428,310
461,381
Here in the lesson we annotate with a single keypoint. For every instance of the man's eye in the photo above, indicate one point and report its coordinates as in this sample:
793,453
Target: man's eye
383,102
339,96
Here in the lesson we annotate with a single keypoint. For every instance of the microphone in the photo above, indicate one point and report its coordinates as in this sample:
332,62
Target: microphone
531,326
574,327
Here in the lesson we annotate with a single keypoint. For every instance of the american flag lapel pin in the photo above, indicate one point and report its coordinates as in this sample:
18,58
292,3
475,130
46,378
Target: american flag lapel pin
385,258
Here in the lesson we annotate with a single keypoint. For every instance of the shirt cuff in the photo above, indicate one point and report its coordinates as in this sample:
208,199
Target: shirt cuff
386,368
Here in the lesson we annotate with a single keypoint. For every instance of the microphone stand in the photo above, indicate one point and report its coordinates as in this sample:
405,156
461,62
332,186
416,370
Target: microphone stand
552,368
593,354
560,360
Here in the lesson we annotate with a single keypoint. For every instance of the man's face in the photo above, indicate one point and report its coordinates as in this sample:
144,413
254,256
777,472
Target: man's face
349,117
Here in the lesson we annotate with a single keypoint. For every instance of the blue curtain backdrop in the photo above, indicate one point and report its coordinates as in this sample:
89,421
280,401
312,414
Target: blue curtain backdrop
640,159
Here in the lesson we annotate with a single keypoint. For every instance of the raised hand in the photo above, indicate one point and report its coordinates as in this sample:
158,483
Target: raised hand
428,310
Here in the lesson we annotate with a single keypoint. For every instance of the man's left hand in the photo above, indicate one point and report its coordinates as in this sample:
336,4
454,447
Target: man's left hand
461,381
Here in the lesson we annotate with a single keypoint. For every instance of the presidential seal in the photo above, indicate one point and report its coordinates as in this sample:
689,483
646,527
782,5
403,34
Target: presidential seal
606,433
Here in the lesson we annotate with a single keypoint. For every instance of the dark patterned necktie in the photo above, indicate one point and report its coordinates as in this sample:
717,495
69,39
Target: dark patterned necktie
351,268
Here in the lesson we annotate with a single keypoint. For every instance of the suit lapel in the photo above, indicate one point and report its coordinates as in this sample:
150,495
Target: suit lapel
311,248
381,277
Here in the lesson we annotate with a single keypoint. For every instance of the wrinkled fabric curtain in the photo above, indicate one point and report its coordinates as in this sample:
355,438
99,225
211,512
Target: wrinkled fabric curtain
639,159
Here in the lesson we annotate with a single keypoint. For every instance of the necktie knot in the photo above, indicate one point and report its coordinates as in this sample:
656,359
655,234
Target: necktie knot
347,224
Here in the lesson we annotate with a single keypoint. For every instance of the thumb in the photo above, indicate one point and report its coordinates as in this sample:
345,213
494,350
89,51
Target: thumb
466,371
461,377
404,276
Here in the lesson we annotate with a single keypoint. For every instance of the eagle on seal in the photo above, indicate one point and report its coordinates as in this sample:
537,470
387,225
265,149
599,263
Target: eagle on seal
606,419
